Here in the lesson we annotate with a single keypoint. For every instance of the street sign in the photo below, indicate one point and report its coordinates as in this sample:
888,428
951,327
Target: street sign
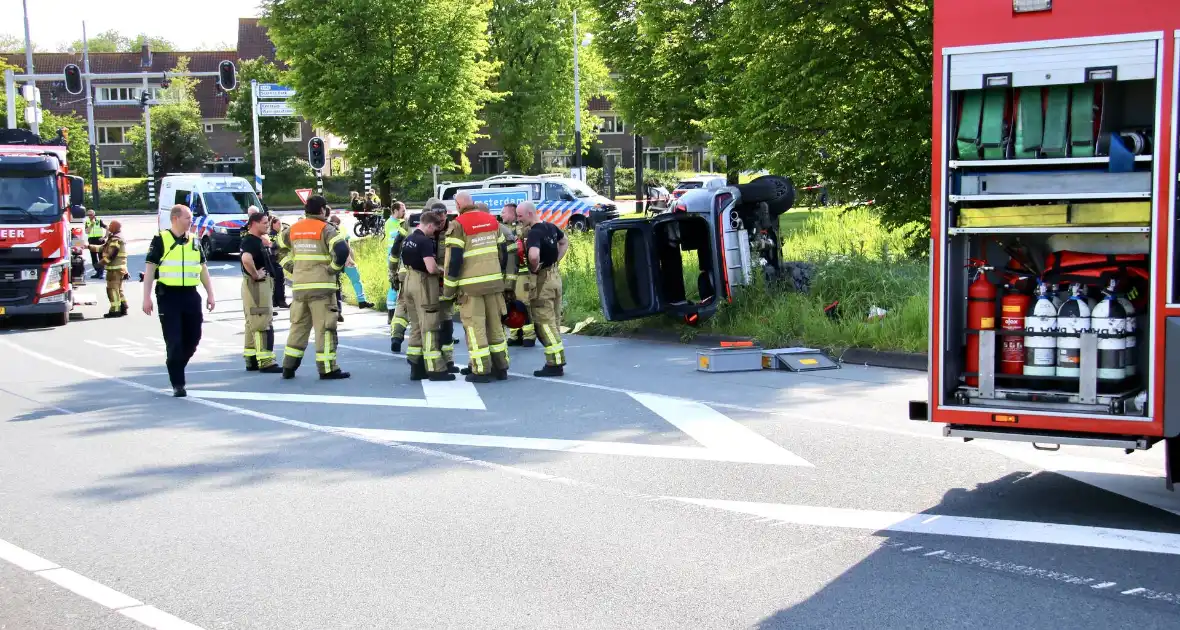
303,194
33,114
274,90
275,109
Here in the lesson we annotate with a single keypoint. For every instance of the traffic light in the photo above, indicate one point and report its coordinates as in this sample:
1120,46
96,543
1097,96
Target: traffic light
227,76
315,152
73,79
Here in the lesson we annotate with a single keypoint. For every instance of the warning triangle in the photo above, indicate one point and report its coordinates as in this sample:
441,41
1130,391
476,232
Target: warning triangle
303,194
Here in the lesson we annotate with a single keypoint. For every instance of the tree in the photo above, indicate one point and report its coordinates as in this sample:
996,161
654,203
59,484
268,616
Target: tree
177,133
279,164
533,43
113,41
77,140
402,80
11,44
840,90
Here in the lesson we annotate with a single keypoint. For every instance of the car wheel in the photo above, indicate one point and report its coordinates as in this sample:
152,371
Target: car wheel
207,247
578,223
778,193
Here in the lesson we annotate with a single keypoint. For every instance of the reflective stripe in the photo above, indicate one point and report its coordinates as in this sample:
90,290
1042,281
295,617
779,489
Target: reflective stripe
511,277
284,261
454,242
529,328
447,282
115,267
315,257
314,285
293,352
480,251
335,239
499,347
448,348
400,321
557,349
249,353
481,353
336,267
431,356
479,279
414,351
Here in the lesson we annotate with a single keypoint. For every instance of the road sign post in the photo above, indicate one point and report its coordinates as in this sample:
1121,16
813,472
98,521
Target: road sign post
276,107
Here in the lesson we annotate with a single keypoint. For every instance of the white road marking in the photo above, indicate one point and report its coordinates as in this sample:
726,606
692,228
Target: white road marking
935,553
716,431
959,526
1104,585
1134,591
100,594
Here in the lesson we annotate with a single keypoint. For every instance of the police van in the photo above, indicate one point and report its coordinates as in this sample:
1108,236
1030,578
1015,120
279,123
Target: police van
563,201
219,203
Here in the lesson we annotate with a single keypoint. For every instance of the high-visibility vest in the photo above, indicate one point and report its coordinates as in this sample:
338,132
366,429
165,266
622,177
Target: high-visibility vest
181,264
116,246
477,235
94,228
306,249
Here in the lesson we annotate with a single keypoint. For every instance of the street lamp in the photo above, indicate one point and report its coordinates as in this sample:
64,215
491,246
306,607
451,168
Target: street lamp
578,97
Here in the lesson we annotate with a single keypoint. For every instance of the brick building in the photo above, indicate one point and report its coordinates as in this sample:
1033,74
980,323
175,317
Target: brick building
116,110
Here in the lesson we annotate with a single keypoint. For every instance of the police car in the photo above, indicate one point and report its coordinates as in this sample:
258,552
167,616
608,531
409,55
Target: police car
219,203
566,202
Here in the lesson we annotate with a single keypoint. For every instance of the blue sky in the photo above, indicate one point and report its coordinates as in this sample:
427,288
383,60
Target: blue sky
188,24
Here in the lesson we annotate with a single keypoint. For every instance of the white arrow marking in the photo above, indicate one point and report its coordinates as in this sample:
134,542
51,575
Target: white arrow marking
996,529
455,394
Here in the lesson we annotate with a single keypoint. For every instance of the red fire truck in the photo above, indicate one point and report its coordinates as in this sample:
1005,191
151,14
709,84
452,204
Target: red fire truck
37,199
1055,283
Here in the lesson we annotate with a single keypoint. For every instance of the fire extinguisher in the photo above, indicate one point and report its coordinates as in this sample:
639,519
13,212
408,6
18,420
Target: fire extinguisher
981,314
1013,307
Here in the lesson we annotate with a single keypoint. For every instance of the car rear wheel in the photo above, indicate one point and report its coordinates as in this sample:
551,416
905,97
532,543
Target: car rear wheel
778,192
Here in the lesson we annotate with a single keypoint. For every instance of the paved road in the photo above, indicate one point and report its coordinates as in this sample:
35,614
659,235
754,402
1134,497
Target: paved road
634,493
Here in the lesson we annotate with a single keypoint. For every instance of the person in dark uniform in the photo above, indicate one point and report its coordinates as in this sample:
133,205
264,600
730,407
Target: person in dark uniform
545,245
276,270
421,290
175,265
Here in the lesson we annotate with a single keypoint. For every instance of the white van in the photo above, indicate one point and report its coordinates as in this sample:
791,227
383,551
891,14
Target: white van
563,201
219,203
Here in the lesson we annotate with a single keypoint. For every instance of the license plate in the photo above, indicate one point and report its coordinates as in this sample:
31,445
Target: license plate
28,274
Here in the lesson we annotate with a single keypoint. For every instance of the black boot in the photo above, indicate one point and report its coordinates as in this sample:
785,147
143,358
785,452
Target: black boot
334,375
111,314
451,369
501,375
288,373
550,370
123,310
514,341
478,378
441,376
273,368
179,392
251,364
395,345
466,371
417,371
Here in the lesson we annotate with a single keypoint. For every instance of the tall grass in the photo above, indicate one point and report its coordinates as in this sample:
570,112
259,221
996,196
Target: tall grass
371,259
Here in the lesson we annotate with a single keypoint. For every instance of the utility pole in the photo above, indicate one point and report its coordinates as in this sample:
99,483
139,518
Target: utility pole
33,124
257,155
147,141
577,103
90,121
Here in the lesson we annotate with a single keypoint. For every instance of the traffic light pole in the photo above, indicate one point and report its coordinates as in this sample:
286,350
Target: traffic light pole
147,141
319,181
90,122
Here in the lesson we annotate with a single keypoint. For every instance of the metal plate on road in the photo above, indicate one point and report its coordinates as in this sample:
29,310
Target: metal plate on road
275,109
274,90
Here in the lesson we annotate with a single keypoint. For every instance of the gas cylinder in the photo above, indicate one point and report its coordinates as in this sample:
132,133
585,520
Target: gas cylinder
1109,320
981,315
1013,307
1040,352
1073,319
1131,356
1055,293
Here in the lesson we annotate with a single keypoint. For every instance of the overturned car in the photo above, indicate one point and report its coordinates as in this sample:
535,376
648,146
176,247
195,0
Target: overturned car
686,261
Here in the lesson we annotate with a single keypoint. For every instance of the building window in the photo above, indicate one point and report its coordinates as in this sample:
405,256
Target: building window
491,162
208,127
113,134
125,94
611,124
667,159
556,159
112,168
295,134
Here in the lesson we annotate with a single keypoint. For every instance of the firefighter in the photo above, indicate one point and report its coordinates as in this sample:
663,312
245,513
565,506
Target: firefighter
526,335
421,291
446,310
546,245
476,257
396,309
114,263
313,253
95,235
257,297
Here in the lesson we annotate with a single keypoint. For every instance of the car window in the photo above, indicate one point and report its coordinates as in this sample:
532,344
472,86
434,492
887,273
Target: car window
553,191
224,202
449,193
688,185
579,189
182,197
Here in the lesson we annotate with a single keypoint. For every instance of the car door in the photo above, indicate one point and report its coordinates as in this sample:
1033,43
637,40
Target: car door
626,269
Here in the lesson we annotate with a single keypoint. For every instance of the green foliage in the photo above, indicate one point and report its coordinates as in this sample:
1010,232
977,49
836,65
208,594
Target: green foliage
177,133
77,140
404,86
533,43
113,41
371,258
122,193
839,91
851,232
11,43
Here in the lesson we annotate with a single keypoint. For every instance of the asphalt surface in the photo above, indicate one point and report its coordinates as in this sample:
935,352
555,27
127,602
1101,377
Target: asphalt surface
634,493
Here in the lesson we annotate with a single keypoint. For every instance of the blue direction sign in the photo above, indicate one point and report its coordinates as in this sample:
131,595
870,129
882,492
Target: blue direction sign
274,90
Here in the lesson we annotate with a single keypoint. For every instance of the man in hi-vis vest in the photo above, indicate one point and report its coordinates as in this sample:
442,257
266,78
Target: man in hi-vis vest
474,275
313,253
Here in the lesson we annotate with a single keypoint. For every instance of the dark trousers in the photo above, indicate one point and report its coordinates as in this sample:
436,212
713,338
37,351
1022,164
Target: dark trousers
181,319
95,260
280,290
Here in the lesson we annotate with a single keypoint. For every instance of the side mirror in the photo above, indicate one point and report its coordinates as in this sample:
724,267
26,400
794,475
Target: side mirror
77,212
77,195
